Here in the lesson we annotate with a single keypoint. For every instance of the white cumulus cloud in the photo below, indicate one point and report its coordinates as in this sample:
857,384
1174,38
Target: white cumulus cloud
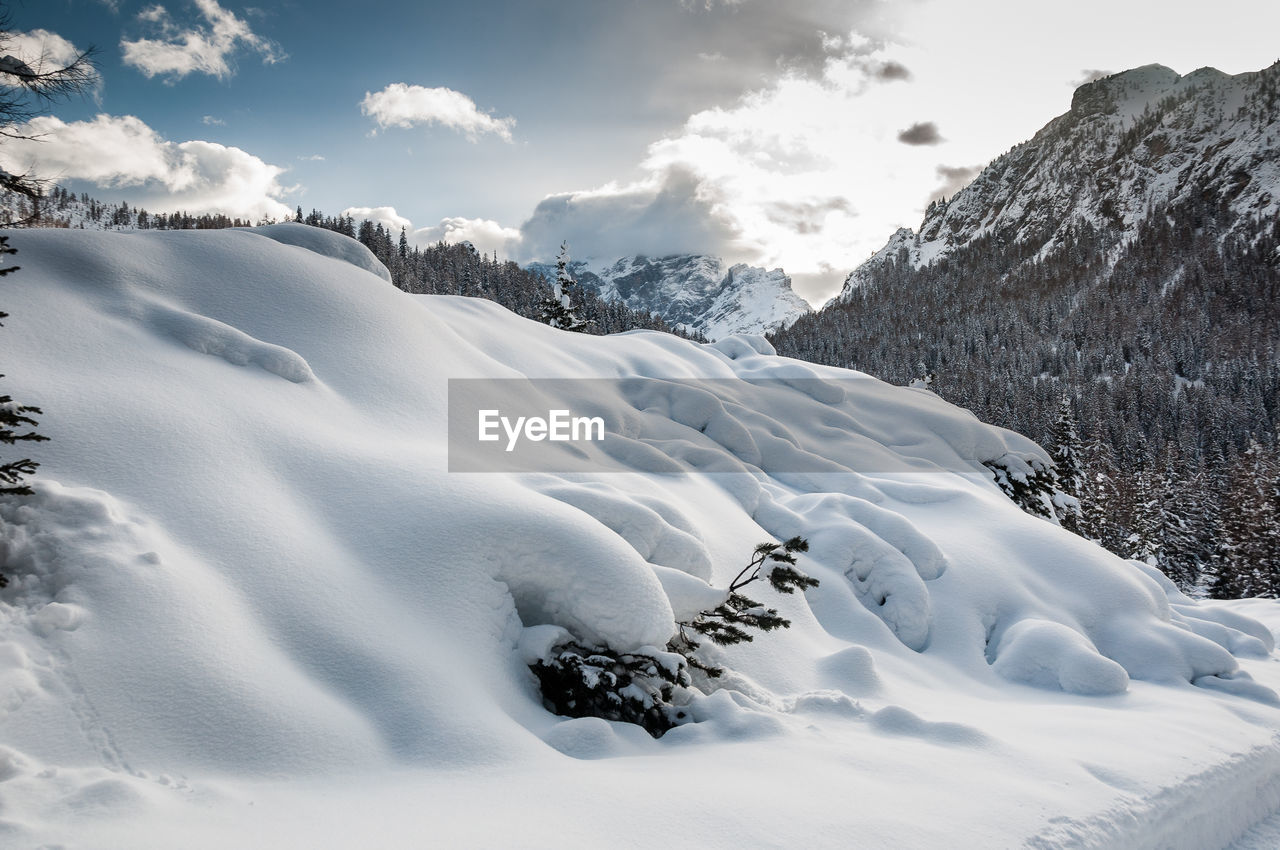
40,49
402,105
485,234
122,151
204,49
386,216
767,181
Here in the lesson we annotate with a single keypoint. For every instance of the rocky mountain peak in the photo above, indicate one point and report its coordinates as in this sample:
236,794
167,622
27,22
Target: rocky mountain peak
1132,143
695,291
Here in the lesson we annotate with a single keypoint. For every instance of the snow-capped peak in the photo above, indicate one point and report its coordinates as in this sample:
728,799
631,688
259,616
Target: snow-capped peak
695,291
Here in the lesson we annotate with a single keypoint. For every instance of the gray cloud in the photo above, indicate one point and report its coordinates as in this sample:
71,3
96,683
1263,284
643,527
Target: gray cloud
954,178
704,52
668,215
806,216
892,71
1088,75
922,133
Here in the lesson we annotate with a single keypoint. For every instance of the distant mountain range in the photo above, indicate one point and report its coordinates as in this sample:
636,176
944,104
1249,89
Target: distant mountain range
695,291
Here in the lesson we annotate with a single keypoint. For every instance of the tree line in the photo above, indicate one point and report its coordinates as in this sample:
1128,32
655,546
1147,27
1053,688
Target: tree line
438,269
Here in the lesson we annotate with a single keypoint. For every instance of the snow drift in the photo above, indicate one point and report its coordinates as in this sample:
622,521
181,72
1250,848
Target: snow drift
247,573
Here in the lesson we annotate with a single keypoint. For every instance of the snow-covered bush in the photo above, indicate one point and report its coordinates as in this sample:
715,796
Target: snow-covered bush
1030,483
644,686
634,687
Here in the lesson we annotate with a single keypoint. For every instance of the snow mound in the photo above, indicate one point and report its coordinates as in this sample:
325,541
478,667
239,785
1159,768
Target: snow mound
226,574
326,243
209,336
1050,655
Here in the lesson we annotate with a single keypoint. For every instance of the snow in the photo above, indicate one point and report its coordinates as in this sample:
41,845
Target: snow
326,243
249,605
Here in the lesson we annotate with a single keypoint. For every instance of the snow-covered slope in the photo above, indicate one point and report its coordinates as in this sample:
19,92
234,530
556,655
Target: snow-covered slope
1130,144
249,605
695,291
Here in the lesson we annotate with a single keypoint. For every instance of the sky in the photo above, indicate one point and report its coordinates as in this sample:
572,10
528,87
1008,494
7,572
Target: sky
796,134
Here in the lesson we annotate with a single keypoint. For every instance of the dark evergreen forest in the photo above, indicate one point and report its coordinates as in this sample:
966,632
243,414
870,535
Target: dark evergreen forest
1151,374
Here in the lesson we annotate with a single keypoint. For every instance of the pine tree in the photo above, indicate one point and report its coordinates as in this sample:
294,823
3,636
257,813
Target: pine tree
1100,496
27,85
1146,542
1068,461
639,687
558,308
16,423
726,624
1245,561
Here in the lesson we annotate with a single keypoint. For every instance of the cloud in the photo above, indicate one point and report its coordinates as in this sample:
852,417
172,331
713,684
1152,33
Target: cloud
485,234
401,105
315,157
43,50
204,49
954,178
213,122
671,212
891,71
1090,75
799,35
386,216
804,174
921,133
123,152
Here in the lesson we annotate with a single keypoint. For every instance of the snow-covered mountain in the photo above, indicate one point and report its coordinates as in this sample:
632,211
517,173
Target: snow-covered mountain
250,604
1131,144
695,291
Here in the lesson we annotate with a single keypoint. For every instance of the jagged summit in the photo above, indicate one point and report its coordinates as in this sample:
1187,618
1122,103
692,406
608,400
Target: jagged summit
696,291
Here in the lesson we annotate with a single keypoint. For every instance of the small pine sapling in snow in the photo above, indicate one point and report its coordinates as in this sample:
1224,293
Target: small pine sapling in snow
727,623
924,378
